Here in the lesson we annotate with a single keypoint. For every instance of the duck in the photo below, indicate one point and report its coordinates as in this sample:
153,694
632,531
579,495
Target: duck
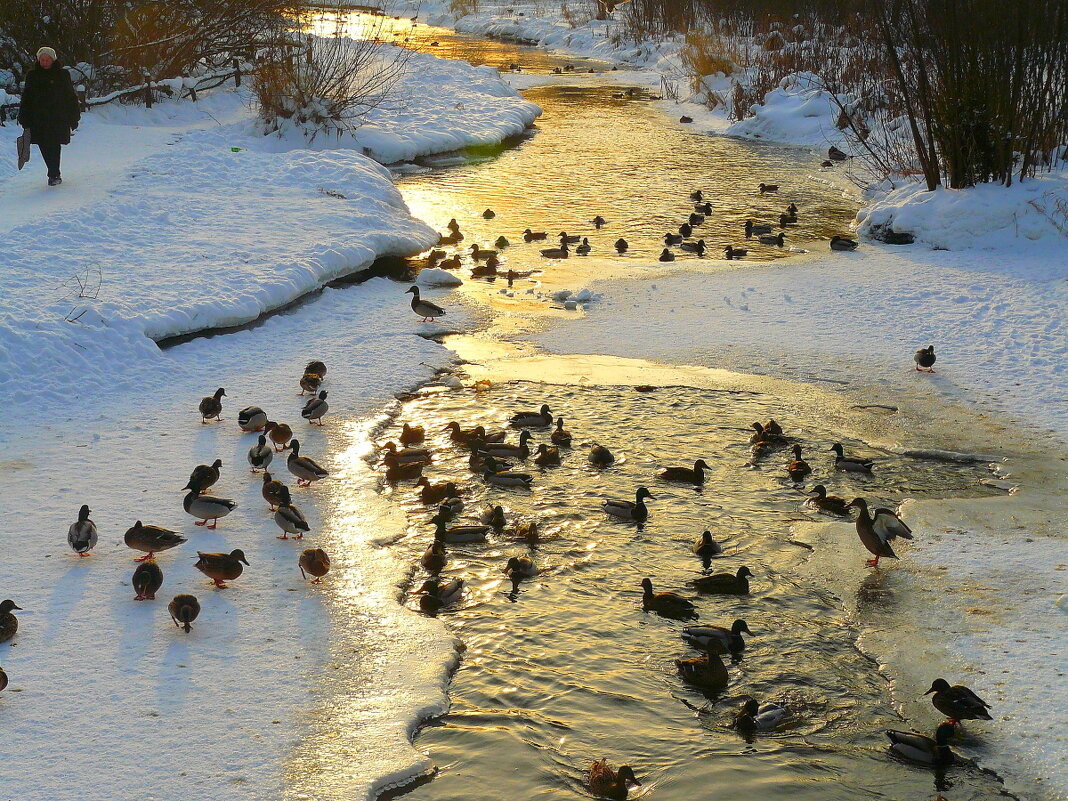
480,253
151,539
519,568
835,154
666,255
733,253
556,253
724,583
703,208
251,419
584,249
635,510
717,639
315,561
280,434
706,672
774,429
9,624
452,263
666,604
435,558
260,455
453,238
501,242
778,239
3,680
695,218
842,243
685,230
390,455
754,717
539,419
672,239
203,476
560,436
211,406
877,533
526,530
696,475
457,534
271,490
411,435
183,610
435,594
303,467
520,451
798,468
462,435
697,247
493,516
599,222
697,196
850,464
570,239
147,579
957,702
451,506
925,359
764,435
922,749
706,548
621,245
534,236
600,456
435,493
434,256
764,188
548,456
604,782
221,567
828,503
786,219
403,472
424,308
488,214
792,209
315,409
453,226
486,270
752,228
82,535
207,507
506,478
289,518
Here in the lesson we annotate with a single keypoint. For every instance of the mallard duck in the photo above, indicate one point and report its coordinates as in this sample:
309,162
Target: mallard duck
778,239
411,435
766,436
666,255
289,518
453,238
251,418
850,463
828,503
318,367
272,490
424,308
184,609
260,455
734,253
539,419
752,228
773,429
667,604
461,435
724,583
436,594
672,239
314,561
315,408
706,672
147,578
453,225
958,702
599,222
310,383
570,239
697,196
303,467
204,476
548,456
82,536
9,624
221,567
488,214
925,359
604,782
486,270
435,558
842,243
280,434
635,510
493,516
685,230
207,507
520,451
3,680
520,567
583,249
391,455
561,436
621,245
526,530
786,219
696,475
480,253
534,236
716,638
151,539
696,219
506,478
451,507
435,493
920,748
403,472
876,537
707,547
211,406
453,263
703,208
764,188
600,456
697,247
501,242
457,534
556,253
798,468
754,717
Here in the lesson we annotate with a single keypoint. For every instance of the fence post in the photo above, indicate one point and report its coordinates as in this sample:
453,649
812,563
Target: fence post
148,92
237,73
81,98
192,88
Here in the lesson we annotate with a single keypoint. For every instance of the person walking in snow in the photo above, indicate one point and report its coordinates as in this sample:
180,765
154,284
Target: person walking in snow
49,109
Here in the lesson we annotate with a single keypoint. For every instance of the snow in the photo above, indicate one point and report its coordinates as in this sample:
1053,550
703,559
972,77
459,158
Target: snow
797,112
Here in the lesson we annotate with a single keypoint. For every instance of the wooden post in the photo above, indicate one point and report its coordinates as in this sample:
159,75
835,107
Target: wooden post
148,92
192,89
81,98
237,73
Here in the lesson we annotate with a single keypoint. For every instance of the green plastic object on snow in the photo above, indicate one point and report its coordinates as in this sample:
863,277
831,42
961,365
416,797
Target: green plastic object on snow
236,149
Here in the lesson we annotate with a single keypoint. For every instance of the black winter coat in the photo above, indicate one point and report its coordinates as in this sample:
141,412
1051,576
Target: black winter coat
49,105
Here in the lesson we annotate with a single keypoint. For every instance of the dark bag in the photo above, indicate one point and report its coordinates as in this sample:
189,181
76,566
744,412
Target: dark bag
22,145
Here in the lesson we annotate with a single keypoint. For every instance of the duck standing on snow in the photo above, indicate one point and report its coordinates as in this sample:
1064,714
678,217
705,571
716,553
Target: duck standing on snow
151,539
604,782
958,702
876,533
184,609
289,518
147,579
3,680
635,510
303,467
82,536
272,491
211,406
9,624
260,455
850,464
315,408
221,567
251,418
204,476
207,507
922,749
925,359
310,383
280,434
665,604
314,561
424,308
